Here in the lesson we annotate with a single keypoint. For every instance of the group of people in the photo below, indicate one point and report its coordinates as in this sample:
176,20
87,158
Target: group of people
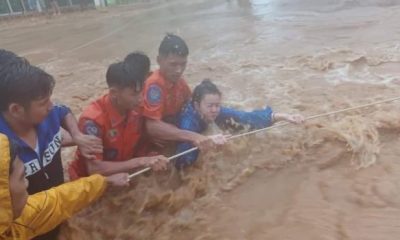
143,114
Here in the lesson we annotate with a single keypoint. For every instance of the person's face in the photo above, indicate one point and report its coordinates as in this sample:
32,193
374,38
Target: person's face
127,98
39,109
172,66
34,113
18,186
209,107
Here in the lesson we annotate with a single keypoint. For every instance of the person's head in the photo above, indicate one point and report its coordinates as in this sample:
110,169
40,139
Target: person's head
126,79
138,64
13,184
25,92
206,99
7,57
172,57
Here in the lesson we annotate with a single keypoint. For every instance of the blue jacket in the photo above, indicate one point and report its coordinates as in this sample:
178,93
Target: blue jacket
45,170
190,120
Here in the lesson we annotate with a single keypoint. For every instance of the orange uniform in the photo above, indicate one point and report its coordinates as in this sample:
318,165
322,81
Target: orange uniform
163,100
120,134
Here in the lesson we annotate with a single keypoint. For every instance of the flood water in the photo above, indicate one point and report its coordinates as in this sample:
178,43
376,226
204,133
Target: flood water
336,177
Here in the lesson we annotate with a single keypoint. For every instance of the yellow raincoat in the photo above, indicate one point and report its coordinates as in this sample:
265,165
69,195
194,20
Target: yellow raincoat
44,210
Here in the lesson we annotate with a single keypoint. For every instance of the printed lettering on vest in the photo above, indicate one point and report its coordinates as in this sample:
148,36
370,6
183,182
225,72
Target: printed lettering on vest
52,149
32,167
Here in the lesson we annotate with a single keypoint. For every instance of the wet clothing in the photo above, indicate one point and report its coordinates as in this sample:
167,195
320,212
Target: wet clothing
120,135
163,100
43,170
228,118
44,210
43,165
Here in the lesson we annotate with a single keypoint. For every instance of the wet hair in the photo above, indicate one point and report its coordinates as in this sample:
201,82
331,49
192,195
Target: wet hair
125,75
13,154
204,88
23,83
173,44
138,66
7,57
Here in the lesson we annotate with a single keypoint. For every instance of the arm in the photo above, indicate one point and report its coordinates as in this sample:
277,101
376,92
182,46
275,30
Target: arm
66,139
108,167
255,119
88,145
153,110
164,131
47,209
70,124
292,118
189,121
62,111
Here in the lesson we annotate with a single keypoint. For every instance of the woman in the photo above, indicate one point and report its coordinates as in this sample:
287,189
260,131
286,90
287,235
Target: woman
205,108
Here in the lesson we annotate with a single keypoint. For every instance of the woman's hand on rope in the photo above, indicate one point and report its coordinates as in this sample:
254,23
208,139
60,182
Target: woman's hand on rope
295,118
205,143
219,139
292,118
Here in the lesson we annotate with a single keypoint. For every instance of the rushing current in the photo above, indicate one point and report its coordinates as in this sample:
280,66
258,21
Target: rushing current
335,177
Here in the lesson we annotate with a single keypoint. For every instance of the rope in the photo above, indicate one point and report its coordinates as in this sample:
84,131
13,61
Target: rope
271,127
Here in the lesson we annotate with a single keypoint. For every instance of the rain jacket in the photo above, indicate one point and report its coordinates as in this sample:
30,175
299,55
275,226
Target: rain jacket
44,210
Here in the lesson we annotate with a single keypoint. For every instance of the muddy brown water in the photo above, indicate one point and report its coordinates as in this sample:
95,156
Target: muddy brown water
333,178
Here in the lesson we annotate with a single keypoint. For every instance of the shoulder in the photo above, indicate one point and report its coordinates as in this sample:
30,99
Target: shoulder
188,110
95,110
59,109
154,94
225,114
92,119
155,79
189,119
226,110
183,83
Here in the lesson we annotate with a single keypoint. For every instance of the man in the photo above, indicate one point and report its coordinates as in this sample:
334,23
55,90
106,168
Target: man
166,92
117,119
23,216
29,118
